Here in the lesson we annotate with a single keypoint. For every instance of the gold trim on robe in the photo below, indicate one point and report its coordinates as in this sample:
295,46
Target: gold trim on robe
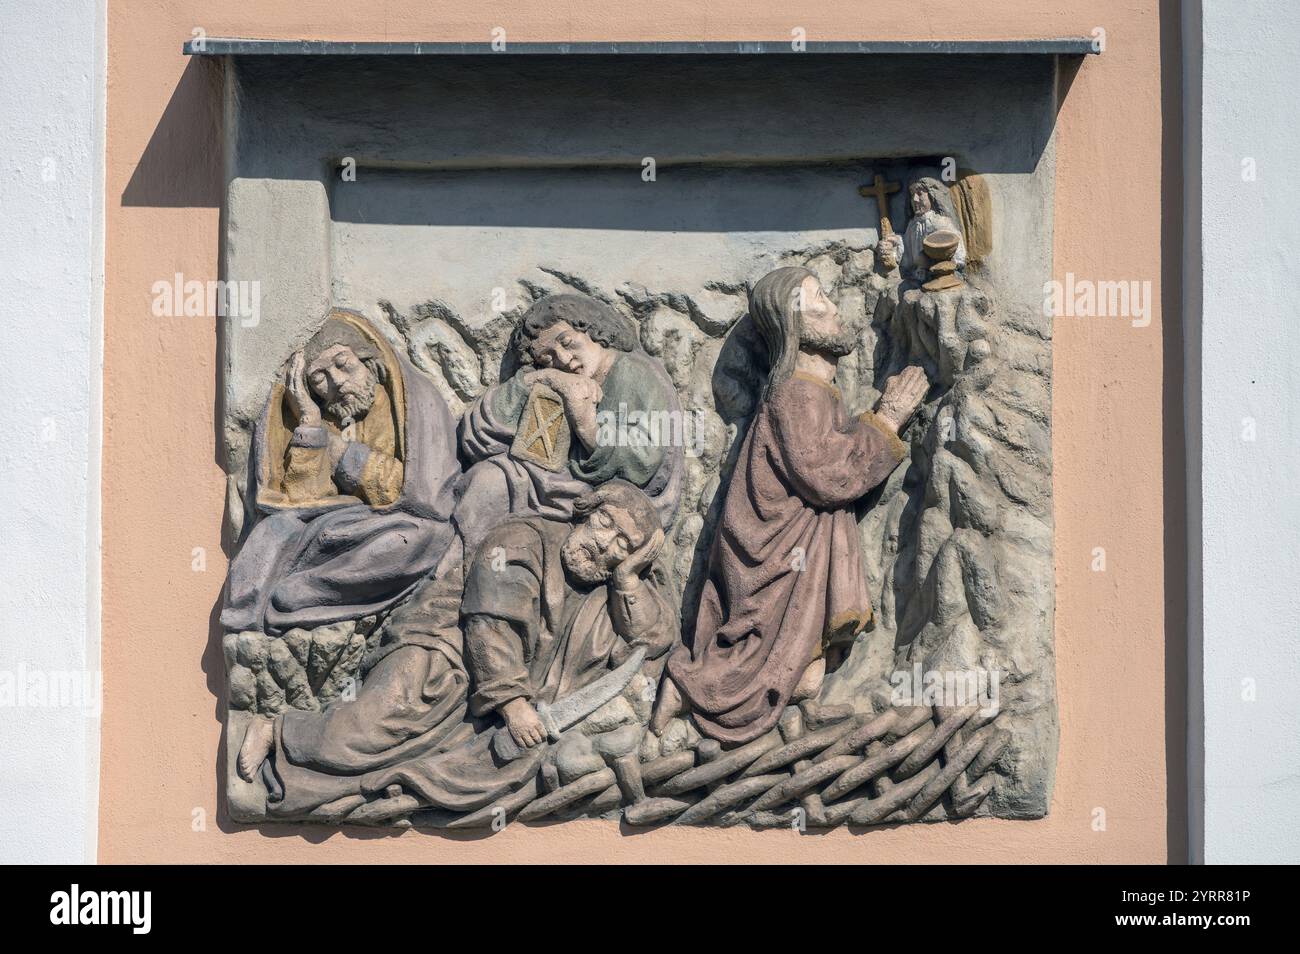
300,477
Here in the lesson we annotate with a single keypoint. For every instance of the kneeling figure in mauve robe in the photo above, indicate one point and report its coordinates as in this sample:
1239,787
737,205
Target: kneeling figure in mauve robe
785,577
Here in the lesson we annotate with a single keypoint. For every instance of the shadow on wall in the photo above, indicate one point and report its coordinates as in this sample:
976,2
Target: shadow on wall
181,167
1175,456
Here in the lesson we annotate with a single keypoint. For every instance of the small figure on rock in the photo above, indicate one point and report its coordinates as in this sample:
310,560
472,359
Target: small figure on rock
932,211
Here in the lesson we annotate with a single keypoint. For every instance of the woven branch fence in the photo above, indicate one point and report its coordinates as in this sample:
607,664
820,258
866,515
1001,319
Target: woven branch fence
903,765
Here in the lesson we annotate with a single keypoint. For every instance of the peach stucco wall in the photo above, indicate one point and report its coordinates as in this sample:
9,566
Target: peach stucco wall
163,489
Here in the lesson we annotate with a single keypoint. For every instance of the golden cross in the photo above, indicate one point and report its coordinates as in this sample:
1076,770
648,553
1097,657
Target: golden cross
880,191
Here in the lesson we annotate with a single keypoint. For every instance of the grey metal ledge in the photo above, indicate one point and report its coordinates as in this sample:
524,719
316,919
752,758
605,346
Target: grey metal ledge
226,46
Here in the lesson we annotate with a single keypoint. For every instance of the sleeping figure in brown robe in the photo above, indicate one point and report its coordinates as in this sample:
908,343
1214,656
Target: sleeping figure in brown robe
546,609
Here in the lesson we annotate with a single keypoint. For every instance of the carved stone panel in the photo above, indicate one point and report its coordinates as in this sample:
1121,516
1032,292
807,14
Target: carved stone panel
718,494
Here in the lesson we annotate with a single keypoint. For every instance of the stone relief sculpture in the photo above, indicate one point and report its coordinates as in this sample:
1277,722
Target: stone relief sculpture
583,600
353,460
353,453
548,609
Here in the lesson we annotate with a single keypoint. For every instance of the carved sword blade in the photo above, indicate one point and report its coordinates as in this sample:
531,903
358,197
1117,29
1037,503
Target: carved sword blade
574,707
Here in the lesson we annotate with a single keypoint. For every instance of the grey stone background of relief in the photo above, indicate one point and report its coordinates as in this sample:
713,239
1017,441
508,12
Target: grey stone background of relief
474,178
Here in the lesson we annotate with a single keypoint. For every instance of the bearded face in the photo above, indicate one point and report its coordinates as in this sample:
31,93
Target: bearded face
820,327
584,562
353,403
344,384
838,343
596,546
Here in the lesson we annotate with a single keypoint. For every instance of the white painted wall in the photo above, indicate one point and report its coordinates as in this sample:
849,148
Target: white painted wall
51,270
1250,433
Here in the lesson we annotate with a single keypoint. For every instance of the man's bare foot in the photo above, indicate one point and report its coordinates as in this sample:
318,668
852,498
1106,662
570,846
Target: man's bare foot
668,706
257,746
809,685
